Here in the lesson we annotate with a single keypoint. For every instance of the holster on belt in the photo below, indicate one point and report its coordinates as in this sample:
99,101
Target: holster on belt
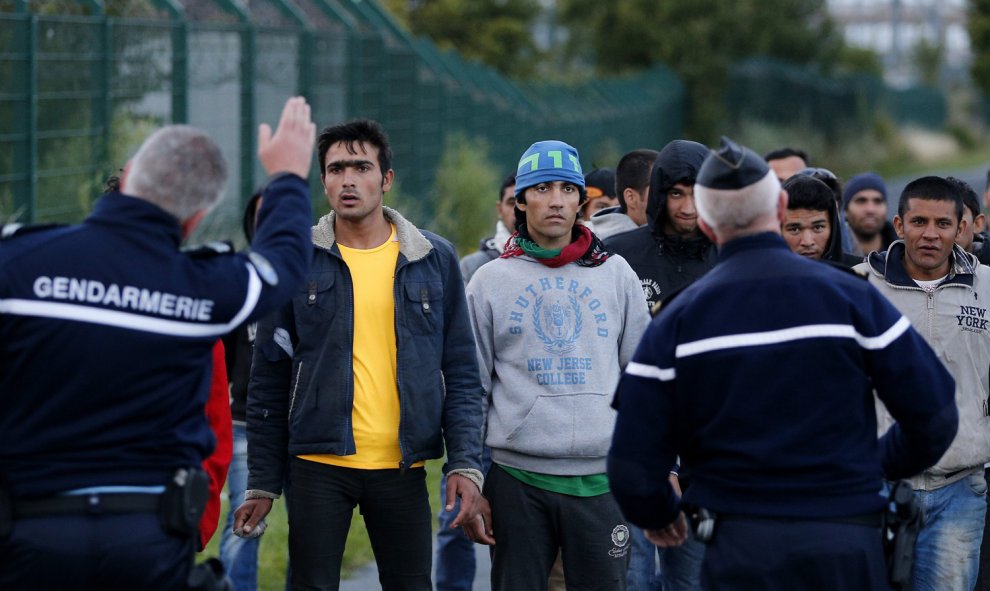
184,500
902,522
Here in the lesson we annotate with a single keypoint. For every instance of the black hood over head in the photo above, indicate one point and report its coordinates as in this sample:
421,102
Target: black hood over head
679,161
248,221
809,193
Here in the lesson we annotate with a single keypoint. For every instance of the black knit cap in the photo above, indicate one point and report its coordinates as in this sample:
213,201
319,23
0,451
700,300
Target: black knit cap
602,179
731,167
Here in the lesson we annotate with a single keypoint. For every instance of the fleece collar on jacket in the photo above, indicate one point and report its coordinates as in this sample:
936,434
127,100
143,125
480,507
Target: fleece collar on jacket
412,244
889,265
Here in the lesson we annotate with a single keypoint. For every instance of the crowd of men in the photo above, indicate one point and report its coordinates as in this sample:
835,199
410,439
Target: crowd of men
806,355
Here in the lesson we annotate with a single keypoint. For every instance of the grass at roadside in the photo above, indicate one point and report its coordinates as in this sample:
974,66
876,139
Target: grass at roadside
273,552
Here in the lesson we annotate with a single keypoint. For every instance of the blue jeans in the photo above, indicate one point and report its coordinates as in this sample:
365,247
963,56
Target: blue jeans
239,556
947,555
679,567
455,552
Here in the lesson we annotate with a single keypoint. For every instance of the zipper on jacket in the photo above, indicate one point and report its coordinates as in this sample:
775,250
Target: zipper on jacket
931,300
295,388
349,284
399,264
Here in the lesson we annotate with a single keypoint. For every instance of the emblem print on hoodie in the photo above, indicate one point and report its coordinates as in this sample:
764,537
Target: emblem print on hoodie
559,312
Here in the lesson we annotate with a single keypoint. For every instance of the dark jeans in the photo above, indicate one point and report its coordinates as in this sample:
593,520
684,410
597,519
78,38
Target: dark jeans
94,552
532,524
396,510
783,555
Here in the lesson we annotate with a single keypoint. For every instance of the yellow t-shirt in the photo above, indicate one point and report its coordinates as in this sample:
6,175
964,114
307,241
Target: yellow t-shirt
375,414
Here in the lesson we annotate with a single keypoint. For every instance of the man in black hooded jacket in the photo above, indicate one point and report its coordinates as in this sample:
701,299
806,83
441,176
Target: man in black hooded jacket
669,252
811,223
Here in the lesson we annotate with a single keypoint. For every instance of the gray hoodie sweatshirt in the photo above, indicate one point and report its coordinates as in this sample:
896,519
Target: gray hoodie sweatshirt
552,343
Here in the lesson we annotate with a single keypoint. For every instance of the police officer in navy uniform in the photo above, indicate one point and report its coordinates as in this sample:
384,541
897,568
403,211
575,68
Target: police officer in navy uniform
760,377
105,337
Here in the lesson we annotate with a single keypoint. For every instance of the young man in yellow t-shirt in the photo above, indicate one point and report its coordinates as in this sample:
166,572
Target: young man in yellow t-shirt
368,373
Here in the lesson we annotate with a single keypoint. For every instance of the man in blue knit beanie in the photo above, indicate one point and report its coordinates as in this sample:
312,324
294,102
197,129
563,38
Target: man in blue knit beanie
556,317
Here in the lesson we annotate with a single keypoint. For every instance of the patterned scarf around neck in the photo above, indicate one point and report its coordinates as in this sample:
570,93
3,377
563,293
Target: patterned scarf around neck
585,249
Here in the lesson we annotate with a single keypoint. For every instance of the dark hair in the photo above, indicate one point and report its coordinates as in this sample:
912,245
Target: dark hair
507,182
633,172
969,197
364,131
250,213
112,184
826,176
787,153
806,192
931,188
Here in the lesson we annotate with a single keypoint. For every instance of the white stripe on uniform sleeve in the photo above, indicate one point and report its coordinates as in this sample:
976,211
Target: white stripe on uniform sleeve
650,371
796,333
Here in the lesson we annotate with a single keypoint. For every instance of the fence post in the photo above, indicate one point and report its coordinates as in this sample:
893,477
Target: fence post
32,115
248,133
107,98
307,45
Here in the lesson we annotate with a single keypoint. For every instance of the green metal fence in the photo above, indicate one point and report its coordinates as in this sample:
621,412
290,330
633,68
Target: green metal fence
82,83
786,94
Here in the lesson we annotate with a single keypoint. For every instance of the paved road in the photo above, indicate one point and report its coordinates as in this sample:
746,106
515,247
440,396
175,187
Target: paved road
366,578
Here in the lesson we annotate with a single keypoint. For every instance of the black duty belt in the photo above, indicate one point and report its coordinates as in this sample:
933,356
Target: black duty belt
866,519
87,504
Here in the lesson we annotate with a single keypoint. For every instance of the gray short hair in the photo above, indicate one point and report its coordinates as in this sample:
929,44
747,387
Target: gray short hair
737,209
180,169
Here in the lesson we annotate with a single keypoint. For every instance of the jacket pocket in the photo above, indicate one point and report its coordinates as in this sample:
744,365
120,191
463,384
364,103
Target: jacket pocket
315,305
423,307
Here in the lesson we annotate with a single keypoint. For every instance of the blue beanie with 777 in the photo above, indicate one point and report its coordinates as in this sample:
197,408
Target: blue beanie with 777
547,161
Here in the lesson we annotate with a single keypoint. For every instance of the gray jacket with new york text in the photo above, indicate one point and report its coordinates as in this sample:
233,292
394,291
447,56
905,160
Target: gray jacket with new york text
955,321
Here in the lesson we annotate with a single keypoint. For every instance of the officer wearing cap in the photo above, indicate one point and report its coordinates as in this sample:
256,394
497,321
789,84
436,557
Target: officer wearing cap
760,377
106,330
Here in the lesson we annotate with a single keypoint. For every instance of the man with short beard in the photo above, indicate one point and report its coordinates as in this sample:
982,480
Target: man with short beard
865,203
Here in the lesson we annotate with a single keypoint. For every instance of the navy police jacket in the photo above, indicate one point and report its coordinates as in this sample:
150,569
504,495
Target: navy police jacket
301,393
106,330
761,377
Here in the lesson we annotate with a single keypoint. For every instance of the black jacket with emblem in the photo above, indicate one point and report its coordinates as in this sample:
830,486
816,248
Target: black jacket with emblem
663,262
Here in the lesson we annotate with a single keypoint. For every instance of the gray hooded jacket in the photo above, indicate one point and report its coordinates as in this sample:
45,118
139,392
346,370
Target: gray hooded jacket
954,320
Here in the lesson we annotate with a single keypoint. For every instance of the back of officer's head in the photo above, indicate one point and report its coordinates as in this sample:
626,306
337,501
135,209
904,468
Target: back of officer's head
180,169
735,188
